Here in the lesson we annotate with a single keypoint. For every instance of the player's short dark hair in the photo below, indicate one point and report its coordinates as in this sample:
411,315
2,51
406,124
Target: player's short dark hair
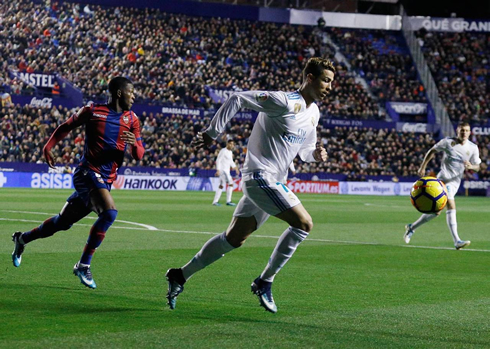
230,140
118,83
464,124
316,65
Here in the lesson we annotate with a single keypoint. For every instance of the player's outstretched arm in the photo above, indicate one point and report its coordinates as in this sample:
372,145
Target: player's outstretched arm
61,132
427,158
271,103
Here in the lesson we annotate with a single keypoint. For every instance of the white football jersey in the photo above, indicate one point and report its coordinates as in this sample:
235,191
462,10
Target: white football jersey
454,156
224,161
284,128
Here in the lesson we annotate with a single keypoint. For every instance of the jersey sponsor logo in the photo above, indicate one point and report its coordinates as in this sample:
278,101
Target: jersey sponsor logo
262,96
293,95
295,138
100,116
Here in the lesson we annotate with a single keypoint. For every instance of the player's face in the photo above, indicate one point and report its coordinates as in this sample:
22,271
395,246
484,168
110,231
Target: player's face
126,99
322,85
230,145
464,133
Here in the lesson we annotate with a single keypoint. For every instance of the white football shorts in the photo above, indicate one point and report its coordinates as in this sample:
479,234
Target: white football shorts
452,187
264,196
225,178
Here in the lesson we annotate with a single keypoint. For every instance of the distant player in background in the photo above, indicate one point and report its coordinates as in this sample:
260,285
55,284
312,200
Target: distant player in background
224,162
110,129
459,154
285,127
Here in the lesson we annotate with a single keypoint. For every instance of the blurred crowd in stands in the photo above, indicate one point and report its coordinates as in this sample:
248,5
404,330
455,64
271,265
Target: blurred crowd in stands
460,64
172,59
353,152
383,59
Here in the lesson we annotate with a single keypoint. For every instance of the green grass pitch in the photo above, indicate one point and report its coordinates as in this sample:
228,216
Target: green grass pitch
353,283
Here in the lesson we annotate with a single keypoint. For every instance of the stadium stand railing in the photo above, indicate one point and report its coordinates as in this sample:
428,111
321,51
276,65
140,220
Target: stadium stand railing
442,116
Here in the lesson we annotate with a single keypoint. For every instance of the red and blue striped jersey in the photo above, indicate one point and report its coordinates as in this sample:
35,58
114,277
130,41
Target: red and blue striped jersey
104,148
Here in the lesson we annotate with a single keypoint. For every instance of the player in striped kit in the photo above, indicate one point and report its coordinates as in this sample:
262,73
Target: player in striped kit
459,154
111,129
224,162
285,127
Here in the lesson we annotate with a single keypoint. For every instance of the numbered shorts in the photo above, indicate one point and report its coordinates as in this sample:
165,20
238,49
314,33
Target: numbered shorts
225,178
452,187
84,181
264,196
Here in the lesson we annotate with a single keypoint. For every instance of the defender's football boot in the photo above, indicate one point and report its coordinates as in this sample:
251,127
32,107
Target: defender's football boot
85,275
18,249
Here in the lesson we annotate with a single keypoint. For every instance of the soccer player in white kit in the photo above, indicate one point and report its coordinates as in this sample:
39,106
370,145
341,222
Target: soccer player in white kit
224,162
459,154
285,127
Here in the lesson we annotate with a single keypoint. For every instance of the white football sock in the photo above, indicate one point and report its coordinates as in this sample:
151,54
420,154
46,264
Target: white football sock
285,247
452,224
217,195
229,191
422,220
212,250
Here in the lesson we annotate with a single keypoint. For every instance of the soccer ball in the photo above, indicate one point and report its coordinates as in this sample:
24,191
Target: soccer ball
428,195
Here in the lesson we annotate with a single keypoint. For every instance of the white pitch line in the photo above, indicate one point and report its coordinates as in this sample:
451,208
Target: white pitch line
266,237
148,227
78,224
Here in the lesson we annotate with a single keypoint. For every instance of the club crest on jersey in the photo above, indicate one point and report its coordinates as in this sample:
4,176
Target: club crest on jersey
453,143
99,178
297,108
125,119
261,97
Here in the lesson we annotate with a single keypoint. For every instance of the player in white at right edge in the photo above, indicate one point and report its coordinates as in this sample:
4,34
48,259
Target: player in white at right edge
285,127
460,154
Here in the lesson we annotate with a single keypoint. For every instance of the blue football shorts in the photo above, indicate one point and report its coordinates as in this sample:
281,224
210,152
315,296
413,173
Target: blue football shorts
84,181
